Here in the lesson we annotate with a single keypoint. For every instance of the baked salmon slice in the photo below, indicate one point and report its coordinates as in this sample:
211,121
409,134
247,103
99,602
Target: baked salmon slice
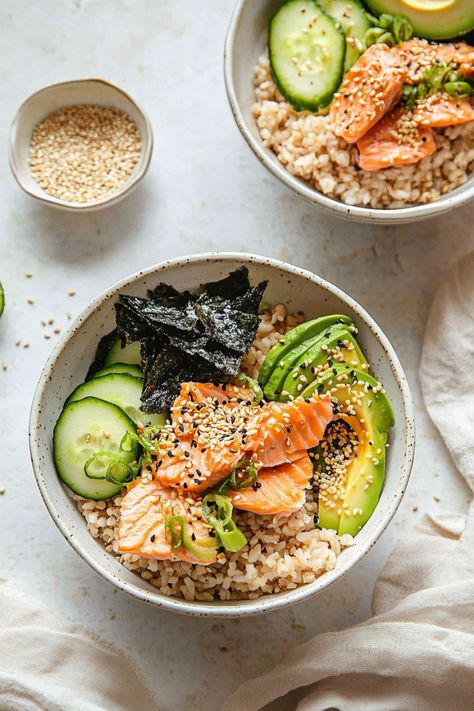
440,110
370,88
209,439
283,430
278,490
198,393
204,442
197,468
417,55
395,141
142,532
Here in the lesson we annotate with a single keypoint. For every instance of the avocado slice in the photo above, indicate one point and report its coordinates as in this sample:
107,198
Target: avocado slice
294,338
349,502
306,368
432,19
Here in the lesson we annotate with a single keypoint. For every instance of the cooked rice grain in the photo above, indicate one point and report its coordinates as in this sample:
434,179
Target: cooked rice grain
282,552
306,145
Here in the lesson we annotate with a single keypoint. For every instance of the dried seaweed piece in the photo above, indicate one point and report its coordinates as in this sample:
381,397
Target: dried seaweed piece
229,322
232,286
166,369
102,349
137,315
221,359
168,295
184,336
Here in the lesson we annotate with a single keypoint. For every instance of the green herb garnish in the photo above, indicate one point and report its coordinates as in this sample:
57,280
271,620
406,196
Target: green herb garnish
388,29
248,382
439,77
202,547
217,511
110,466
244,475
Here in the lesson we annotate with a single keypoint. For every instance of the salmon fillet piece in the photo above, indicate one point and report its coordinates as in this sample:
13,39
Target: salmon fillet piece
370,88
198,393
197,468
144,509
416,55
208,438
285,429
440,110
278,490
393,142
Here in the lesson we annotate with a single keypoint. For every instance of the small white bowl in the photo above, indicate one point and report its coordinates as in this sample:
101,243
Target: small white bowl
55,96
299,290
246,41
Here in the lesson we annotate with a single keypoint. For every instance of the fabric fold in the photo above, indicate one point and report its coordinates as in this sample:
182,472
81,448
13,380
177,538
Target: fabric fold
47,664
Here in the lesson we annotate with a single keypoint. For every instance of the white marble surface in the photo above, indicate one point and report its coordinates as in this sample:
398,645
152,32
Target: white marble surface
205,191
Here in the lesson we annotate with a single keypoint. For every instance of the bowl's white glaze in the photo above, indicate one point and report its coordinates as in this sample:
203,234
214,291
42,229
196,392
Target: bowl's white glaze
55,96
246,40
299,290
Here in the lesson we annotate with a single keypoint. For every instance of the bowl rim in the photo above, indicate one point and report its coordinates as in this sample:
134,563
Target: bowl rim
239,608
146,149
329,205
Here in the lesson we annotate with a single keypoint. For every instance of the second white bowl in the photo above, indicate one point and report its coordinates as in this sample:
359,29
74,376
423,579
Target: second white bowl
245,42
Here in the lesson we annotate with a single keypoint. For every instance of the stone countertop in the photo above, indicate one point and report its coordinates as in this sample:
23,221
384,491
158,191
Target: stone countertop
204,191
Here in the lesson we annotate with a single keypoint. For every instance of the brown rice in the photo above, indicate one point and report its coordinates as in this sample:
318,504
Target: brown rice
306,145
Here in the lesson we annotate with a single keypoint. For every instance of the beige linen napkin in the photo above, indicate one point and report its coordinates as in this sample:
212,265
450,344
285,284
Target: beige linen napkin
46,665
417,652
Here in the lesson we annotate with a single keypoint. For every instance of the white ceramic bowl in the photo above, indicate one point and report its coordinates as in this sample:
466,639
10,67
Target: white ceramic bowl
298,289
246,41
55,96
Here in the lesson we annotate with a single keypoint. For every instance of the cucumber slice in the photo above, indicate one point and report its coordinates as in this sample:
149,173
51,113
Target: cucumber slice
2,299
354,22
127,368
120,389
80,432
129,354
306,51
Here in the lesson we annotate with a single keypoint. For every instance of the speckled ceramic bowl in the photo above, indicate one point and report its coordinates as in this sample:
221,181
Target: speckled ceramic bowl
299,290
55,96
245,42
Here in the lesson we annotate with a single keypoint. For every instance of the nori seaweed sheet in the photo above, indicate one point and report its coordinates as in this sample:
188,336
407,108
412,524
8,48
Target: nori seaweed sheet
102,349
184,337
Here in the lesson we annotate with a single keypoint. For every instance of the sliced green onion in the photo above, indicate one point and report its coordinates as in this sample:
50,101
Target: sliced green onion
252,385
372,19
435,75
458,89
372,35
110,466
176,537
217,511
120,472
131,438
422,91
388,39
402,29
245,468
385,20
409,96
202,547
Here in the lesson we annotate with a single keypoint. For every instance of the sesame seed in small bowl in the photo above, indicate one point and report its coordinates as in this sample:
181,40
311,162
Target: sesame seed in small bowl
80,145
